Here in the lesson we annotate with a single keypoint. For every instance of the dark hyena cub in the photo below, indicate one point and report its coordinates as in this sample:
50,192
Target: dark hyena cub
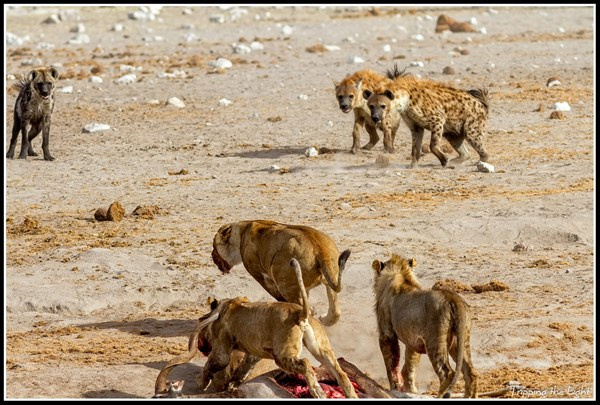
34,107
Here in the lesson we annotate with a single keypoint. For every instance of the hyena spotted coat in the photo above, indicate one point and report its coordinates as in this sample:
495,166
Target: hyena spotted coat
445,111
33,108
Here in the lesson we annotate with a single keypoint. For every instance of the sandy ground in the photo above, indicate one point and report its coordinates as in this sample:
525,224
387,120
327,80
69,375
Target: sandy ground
94,309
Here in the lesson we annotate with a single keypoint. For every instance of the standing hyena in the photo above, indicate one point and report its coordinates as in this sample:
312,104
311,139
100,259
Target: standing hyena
33,107
349,93
445,111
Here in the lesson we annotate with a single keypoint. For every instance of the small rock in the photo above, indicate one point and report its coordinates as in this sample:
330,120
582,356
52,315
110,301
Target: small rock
275,168
345,206
311,152
485,167
448,70
287,30
332,48
417,37
519,247
118,27
217,18
302,97
12,39
175,102
100,214
553,81
417,63
154,102
557,115
221,63
241,49
53,19
91,128
79,29
115,212
562,106
95,79
79,39
256,46
66,90
224,102
387,48
356,59
127,79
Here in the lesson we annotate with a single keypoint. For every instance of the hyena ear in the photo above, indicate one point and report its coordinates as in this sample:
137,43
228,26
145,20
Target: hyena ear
336,84
32,75
412,263
377,266
389,94
367,94
358,84
54,72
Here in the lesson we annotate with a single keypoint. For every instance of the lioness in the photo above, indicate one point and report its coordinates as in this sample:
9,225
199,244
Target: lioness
266,248
426,321
271,330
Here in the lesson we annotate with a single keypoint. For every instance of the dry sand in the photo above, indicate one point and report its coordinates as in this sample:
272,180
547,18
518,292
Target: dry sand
94,309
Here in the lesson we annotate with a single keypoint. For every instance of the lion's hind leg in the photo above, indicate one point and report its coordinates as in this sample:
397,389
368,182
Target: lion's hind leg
294,365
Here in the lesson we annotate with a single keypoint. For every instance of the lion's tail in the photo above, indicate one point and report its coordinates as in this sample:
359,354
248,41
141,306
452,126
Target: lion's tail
160,387
460,317
336,285
294,263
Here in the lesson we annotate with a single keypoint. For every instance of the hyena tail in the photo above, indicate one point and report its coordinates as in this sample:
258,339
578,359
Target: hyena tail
481,95
393,74
306,311
21,84
460,318
161,385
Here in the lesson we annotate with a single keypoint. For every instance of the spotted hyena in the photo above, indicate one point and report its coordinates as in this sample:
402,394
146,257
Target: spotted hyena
33,107
445,111
349,93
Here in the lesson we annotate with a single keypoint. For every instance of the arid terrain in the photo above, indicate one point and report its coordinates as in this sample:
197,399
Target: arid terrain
96,308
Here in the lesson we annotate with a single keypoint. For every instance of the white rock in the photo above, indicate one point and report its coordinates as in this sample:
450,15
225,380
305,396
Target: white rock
118,27
172,75
127,79
473,21
345,206
187,26
303,97
553,83
356,59
562,106
154,102
79,39
217,18
221,63
241,49
387,48
485,167
12,39
53,19
275,168
256,46
175,102
417,63
91,128
311,152
79,28
350,40
483,30
190,37
10,77
141,15
561,29
330,123
66,90
224,102
186,11
45,45
287,30
417,37
332,48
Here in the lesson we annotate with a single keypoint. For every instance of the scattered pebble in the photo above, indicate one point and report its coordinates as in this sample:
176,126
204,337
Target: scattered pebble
557,115
224,102
53,19
287,30
118,28
345,206
256,46
448,70
417,63
79,39
127,79
311,152
303,97
91,128
485,167
221,63
66,90
562,106
12,39
175,102
553,81
417,37
520,247
154,102
332,48
356,59
217,18
387,48
275,168
241,49
95,79
79,29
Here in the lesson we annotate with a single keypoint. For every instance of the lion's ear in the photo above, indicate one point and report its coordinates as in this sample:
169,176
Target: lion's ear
377,266
412,263
226,233
214,304
366,94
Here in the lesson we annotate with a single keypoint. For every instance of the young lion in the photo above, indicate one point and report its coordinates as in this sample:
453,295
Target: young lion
426,321
34,106
349,93
445,111
271,330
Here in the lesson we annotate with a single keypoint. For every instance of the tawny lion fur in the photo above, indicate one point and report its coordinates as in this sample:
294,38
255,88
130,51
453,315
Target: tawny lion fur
266,247
349,94
444,110
432,322
271,330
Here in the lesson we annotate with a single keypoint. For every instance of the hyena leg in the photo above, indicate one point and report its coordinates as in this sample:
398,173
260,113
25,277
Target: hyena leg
437,130
302,366
33,132
417,141
359,122
388,138
13,140
373,136
457,142
46,140
390,349
24,141
474,137
411,361
468,370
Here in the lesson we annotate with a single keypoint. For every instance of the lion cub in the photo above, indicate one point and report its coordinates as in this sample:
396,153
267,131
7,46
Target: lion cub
445,111
270,330
349,94
435,322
